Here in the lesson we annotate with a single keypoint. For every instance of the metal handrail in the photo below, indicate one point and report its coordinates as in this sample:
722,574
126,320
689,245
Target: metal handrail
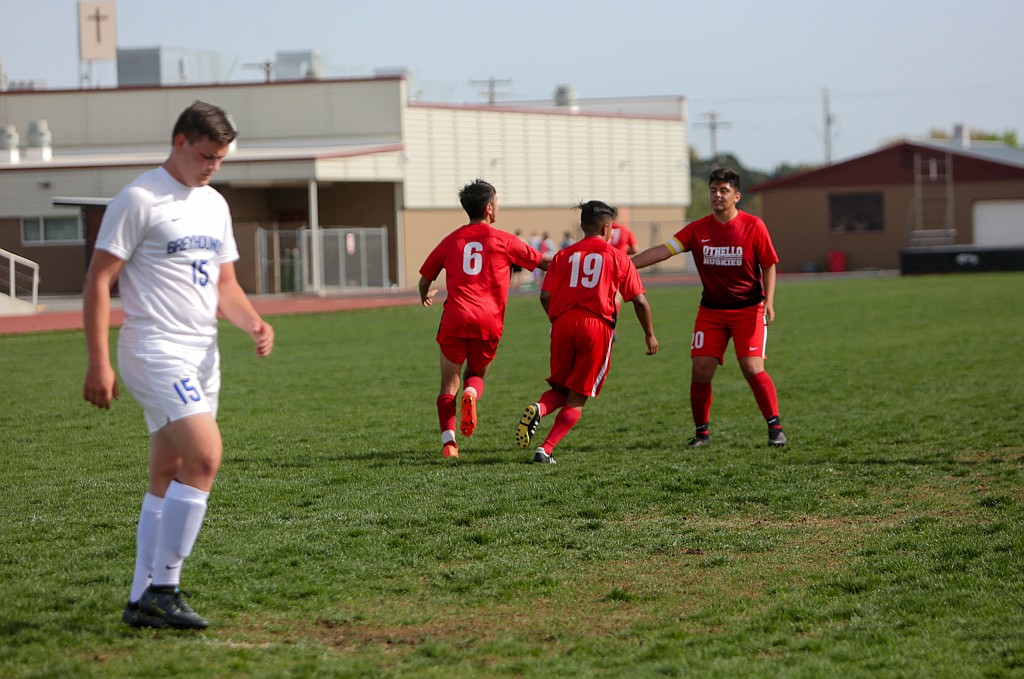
14,261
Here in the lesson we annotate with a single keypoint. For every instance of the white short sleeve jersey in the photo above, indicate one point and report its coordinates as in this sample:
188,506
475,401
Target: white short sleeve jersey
173,239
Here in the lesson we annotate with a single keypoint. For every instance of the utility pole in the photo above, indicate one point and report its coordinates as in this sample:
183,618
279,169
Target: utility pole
492,87
829,119
713,124
266,66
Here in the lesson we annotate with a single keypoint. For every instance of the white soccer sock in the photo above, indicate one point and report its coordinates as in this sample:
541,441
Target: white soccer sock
447,436
183,512
145,544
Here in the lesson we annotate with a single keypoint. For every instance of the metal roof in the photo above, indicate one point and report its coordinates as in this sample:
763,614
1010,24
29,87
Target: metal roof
989,152
993,151
264,151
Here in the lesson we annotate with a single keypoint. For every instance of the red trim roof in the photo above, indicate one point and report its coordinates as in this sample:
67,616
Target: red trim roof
894,164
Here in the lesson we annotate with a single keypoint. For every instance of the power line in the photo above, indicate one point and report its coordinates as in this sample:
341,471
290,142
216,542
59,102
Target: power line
266,66
492,88
713,124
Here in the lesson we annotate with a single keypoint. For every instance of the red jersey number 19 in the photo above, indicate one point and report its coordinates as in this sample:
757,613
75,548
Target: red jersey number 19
592,264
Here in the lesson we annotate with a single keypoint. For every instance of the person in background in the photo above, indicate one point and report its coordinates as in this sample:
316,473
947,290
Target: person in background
622,238
517,271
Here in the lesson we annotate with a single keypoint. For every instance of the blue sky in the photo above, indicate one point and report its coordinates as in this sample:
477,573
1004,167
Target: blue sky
893,69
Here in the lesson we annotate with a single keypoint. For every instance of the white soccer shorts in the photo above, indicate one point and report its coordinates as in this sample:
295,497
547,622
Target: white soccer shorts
171,381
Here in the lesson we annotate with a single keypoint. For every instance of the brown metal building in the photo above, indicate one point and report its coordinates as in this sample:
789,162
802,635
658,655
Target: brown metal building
860,214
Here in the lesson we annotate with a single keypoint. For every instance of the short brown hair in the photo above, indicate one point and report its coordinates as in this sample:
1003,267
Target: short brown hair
205,120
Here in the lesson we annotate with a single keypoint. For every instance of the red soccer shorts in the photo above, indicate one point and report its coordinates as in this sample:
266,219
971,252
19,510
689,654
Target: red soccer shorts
477,352
714,327
581,352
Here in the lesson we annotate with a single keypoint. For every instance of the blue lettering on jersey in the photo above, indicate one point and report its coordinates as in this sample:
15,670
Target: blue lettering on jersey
197,242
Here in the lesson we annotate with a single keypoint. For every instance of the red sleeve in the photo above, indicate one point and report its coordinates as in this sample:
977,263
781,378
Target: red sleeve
766,255
684,237
551,276
520,253
631,285
434,262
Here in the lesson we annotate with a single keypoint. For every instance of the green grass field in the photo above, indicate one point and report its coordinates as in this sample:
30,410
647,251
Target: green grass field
885,541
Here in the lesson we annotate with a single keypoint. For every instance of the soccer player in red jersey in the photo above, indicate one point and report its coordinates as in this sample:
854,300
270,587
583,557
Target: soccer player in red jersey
736,262
478,261
579,298
622,238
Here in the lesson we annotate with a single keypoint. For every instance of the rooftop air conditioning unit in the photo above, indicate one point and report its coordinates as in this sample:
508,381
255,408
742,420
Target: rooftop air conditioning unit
9,153
39,144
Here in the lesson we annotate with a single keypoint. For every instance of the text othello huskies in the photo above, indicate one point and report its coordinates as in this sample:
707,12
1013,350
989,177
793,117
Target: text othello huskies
723,256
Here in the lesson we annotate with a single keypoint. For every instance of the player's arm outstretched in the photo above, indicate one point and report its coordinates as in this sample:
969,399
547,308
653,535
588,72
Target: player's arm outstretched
100,381
643,314
237,308
652,255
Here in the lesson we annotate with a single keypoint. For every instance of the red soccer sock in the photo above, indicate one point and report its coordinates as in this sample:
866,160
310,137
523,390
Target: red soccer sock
700,402
446,412
550,401
566,420
765,394
477,384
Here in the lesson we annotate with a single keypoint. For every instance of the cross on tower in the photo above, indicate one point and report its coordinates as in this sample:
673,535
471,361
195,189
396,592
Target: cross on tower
98,17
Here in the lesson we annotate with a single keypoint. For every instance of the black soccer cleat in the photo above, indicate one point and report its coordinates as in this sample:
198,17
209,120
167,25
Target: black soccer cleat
133,616
168,609
527,425
702,437
542,456
699,440
776,437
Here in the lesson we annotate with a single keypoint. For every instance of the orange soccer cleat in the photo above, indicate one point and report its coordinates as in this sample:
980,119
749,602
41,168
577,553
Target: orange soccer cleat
467,416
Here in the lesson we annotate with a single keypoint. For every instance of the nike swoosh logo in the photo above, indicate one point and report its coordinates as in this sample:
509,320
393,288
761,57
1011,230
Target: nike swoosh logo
749,349
705,240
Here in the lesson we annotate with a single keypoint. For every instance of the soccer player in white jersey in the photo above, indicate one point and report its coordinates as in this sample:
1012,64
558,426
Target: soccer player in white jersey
167,238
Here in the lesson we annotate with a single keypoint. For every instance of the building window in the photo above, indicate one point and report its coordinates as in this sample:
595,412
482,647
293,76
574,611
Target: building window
850,212
39,230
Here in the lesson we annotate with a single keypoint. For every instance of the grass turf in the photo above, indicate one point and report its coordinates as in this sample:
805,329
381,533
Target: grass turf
885,540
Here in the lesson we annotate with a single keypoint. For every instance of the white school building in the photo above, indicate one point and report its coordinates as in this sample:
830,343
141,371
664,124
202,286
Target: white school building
335,184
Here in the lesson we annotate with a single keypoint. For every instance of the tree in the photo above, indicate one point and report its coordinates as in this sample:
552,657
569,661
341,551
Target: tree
786,169
1008,137
700,170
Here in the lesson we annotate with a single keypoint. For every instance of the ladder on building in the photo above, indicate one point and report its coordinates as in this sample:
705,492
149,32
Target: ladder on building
932,219
18,276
